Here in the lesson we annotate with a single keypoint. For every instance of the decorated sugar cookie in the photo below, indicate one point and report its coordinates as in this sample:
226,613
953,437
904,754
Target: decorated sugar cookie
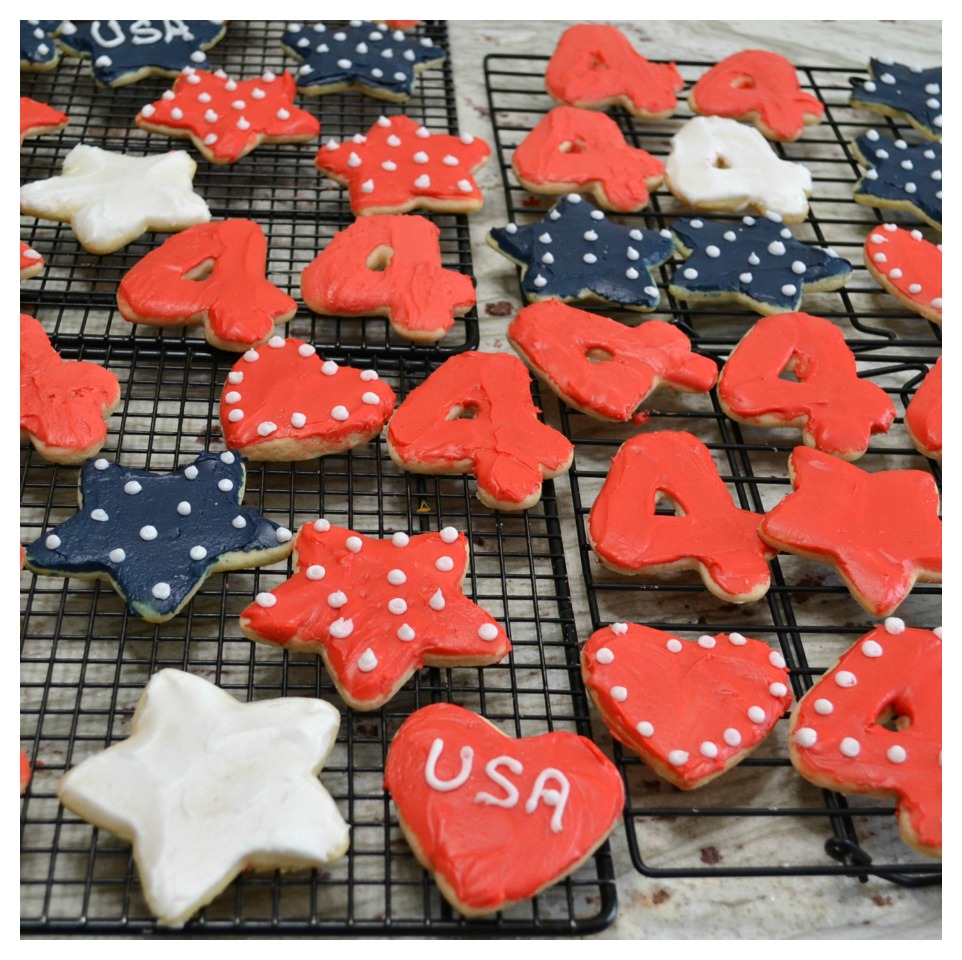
923,418
842,735
836,409
401,166
111,199
282,402
212,273
474,415
497,820
31,262
604,368
897,90
690,709
377,610
908,266
708,534
389,266
206,787
38,45
761,87
880,531
720,164
156,537
38,118
226,118
595,66
362,55
577,255
582,151
63,403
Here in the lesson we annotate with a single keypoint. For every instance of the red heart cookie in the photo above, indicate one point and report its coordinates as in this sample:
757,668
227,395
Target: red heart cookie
908,266
283,402
873,725
923,417
689,710
497,820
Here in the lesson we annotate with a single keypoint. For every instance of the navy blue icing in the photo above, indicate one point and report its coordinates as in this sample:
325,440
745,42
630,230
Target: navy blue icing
575,252
37,45
910,91
902,174
117,503
363,54
118,48
757,259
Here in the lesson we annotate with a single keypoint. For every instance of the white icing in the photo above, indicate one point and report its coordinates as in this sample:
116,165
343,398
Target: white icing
367,661
645,728
341,628
550,797
488,632
430,770
732,737
620,694
511,791
805,737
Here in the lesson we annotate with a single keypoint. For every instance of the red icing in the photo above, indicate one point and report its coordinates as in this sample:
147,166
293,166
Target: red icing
487,855
557,340
280,404
238,114
713,535
384,172
595,65
836,410
761,86
25,773
581,150
349,277
881,531
373,661
38,118
63,404
896,675
401,24
908,266
923,418
31,263
690,699
503,444
236,301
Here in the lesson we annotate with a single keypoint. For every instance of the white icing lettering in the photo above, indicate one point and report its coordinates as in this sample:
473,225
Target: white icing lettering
551,798
430,771
101,41
142,32
176,28
511,791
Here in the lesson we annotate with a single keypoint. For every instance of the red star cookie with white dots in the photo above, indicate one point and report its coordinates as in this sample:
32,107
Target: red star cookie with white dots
401,166
377,610
228,118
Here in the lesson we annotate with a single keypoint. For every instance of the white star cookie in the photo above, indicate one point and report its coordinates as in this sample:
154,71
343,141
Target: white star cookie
206,787
110,199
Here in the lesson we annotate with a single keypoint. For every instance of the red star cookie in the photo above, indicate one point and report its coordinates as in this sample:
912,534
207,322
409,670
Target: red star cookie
595,66
709,534
908,266
837,410
401,166
923,418
377,610
880,531
37,118
389,266
283,403
841,735
212,273
600,366
228,118
580,151
690,710
31,263
63,404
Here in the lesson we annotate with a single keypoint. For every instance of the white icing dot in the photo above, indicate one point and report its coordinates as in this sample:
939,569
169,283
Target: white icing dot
343,63
872,135
191,472
805,737
422,182
798,267
590,236
235,376
99,515
696,224
420,157
298,420
265,599
406,633
400,539
756,714
872,649
198,552
677,758
183,508
252,356
632,274
353,544
148,533
52,542
754,259
547,257
232,396
732,737
869,87
340,412
235,415
132,487
389,165
227,457
353,160
340,629
393,141
370,398
894,625
161,591
321,525
397,605
329,368
745,277
444,564
708,749
511,228
396,577
619,693
937,303
448,534
737,639
337,599
540,281
238,522
282,535
712,251
778,690
367,186
619,629
117,555
850,747
437,600
887,78
210,139
706,642
895,273
690,273
604,655
369,375
906,164
674,646
315,572
225,485
776,248
776,659
645,728
896,754
148,110
845,678
488,632
879,258
910,188
599,215
367,661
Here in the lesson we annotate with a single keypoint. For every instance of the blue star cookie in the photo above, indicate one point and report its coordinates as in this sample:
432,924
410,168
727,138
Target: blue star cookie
124,51
362,55
900,176
157,536
897,90
756,262
38,48
576,253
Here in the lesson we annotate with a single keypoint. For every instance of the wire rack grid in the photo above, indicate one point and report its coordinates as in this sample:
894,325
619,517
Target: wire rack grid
760,818
85,659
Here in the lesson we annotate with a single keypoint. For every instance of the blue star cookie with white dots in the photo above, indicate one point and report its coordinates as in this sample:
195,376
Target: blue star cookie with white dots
124,51
157,536
575,254
900,176
897,90
757,263
38,48
361,55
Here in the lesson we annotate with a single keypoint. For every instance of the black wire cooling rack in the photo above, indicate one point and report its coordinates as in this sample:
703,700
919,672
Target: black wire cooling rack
85,659
760,818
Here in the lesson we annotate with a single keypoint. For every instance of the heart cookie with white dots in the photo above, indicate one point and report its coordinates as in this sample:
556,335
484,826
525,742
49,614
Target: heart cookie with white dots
689,709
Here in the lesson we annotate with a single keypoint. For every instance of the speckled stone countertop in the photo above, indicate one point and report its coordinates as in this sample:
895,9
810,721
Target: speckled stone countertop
747,908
